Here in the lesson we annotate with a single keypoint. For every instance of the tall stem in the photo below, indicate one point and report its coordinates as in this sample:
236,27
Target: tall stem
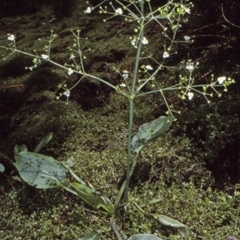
131,103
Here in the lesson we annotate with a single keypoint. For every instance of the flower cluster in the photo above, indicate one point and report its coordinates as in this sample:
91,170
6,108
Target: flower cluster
221,80
88,10
11,37
70,71
165,55
45,56
134,41
118,11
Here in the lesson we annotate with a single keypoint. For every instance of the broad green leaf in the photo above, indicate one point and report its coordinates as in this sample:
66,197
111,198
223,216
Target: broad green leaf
38,170
43,142
2,168
93,198
91,236
148,132
144,237
167,221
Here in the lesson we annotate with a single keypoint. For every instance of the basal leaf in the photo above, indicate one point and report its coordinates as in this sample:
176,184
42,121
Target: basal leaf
144,237
94,199
170,222
38,170
91,236
43,142
2,168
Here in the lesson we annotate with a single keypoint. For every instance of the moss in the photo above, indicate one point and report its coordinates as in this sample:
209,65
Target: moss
210,214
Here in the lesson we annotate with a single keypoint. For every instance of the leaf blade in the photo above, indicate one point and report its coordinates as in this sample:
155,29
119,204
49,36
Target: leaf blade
39,171
148,132
144,237
170,222
91,236
43,142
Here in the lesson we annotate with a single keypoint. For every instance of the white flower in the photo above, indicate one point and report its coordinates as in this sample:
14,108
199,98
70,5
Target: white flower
190,66
165,55
187,38
67,93
119,11
190,95
134,42
123,85
149,67
187,10
88,10
221,80
72,56
144,41
45,56
11,38
125,74
70,71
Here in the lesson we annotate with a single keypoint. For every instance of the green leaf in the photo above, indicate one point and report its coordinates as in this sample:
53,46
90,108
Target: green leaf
91,236
69,163
2,168
148,132
43,143
93,198
144,237
167,221
38,170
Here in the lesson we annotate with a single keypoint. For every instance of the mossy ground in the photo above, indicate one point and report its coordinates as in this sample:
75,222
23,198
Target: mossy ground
92,126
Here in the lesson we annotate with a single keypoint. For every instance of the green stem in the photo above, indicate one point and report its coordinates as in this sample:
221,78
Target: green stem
131,106
123,187
64,67
116,231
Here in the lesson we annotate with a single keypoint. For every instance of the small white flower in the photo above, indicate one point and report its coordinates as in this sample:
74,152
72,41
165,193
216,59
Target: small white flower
70,71
125,74
190,66
88,10
45,56
190,95
149,67
221,80
118,11
72,56
144,41
134,42
11,38
165,55
187,38
123,85
187,10
67,93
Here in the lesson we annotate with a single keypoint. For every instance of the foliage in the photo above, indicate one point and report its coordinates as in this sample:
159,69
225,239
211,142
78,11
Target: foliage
1,168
